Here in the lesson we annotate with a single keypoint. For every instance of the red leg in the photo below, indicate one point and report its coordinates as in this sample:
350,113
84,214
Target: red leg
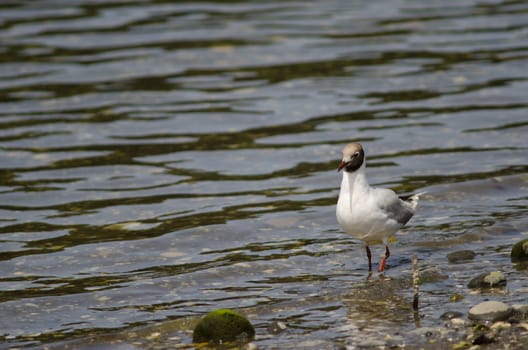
369,256
384,259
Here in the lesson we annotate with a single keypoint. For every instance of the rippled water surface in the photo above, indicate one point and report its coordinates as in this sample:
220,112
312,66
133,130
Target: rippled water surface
162,159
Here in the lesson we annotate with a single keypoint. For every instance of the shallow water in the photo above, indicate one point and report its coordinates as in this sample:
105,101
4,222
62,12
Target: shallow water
163,159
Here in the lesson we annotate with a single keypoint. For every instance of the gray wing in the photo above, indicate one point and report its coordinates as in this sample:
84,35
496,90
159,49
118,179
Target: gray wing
397,208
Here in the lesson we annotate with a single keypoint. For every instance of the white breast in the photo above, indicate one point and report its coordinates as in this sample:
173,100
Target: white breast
359,213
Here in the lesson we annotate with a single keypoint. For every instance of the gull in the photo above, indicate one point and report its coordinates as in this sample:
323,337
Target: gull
370,214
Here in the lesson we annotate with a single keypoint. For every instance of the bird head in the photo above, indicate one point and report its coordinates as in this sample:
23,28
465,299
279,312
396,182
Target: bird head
353,157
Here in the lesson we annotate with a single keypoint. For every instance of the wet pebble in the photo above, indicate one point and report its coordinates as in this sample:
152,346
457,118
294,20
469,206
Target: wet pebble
490,311
276,327
448,315
523,326
521,309
520,250
500,325
426,332
461,256
486,280
458,322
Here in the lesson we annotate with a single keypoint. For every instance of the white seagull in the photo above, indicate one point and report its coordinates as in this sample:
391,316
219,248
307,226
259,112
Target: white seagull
372,215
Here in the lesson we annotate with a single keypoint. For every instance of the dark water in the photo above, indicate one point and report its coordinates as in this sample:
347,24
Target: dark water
162,159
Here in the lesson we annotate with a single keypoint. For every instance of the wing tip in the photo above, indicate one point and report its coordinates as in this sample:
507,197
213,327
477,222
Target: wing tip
412,199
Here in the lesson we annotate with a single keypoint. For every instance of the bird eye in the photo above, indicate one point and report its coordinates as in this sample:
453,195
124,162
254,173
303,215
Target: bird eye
355,155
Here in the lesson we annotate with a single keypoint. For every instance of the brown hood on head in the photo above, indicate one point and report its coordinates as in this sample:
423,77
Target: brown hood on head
353,157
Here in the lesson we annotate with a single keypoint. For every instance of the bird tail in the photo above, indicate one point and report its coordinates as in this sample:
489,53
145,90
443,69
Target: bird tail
412,199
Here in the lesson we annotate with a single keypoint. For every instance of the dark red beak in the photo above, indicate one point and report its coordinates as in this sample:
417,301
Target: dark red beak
341,166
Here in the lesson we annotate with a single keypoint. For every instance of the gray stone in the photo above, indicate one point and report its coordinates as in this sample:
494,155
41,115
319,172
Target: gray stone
485,280
461,256
490,311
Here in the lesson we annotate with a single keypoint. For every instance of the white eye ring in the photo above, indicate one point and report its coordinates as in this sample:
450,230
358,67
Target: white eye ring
355,155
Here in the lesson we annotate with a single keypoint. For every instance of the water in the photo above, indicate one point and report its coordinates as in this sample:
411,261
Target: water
163,159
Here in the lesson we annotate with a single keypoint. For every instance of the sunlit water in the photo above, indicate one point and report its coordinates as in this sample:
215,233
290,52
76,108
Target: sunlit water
163,159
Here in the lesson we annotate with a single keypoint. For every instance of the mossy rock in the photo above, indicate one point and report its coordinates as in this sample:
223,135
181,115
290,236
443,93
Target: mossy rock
223,325
486,280
520,250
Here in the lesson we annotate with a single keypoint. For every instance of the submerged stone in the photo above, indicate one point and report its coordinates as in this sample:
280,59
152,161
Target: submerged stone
448,315
276,327
455,297
520,250
461,256
490,311
486,280
223,325
426,332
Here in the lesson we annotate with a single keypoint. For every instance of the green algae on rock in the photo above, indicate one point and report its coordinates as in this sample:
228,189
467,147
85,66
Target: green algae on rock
487,280
520,250
223,325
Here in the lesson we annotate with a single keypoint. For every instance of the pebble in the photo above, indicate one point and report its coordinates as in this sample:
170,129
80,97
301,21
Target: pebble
250,346
458,322
461,256
426,332
523,326
486,280
276,327
500,325
490,311
448,315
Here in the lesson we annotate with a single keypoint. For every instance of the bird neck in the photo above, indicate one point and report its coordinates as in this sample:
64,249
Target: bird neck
354,183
